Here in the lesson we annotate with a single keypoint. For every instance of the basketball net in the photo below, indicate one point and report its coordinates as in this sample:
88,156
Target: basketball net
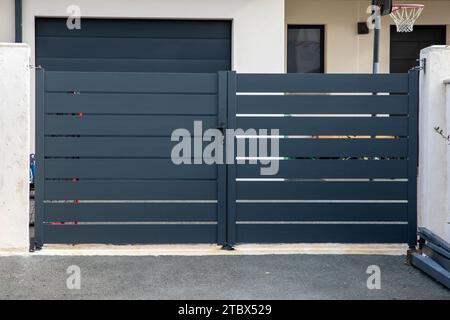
405,15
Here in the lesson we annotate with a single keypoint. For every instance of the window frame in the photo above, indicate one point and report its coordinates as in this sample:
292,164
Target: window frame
321,28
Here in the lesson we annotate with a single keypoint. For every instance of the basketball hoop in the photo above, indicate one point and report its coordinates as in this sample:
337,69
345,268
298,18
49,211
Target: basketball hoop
405,15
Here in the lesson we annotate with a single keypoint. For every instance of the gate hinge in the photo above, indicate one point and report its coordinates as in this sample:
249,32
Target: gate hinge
422,65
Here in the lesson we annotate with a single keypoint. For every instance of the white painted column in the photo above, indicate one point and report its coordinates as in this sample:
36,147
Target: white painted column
433,180
447,225
14,145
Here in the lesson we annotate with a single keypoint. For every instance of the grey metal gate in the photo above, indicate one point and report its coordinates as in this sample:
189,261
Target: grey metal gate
104,173
103,146
348,173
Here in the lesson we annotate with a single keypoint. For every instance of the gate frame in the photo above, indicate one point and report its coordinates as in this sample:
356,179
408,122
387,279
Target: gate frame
226,176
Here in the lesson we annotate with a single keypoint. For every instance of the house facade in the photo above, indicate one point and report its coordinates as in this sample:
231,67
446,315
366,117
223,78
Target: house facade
262,36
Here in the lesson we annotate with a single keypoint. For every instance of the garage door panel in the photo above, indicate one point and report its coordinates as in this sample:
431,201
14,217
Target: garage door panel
136,28
132,48
405,46
138,45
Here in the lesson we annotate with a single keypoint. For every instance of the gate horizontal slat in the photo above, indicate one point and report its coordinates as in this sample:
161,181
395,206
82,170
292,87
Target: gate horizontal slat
276,211
344,147
123,103
133,65
130,82
322,104
126,234
126,169
123,125
395,126
310,169
130,212
314,83
131,190
117,147
322,233
323,190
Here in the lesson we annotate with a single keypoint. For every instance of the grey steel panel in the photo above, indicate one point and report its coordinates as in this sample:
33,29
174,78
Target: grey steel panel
322,233
125,234
129,125
323,83
130,212
323,104
329,211
322,190
126,169
130,82
313,169
131,190
328,126
141,104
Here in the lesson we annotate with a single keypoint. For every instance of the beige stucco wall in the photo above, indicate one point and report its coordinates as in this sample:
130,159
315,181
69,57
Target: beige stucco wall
258,25
345,50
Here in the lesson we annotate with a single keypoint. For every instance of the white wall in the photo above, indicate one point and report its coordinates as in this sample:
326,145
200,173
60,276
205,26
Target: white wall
447,110
434,175
14,145
258,25
7,24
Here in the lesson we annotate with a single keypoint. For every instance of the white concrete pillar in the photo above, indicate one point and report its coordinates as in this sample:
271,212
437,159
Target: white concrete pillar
447,225
433,180
14,145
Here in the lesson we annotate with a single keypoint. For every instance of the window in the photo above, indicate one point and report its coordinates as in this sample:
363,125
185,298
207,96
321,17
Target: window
305,49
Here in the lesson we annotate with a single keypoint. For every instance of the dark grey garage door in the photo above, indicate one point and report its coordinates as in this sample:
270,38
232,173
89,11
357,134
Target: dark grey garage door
134,45
405,47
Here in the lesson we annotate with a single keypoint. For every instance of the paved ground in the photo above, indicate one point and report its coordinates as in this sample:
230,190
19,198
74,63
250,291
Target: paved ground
215,277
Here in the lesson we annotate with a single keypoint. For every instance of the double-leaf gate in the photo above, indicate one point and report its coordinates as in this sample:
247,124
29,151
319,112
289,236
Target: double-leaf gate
346,158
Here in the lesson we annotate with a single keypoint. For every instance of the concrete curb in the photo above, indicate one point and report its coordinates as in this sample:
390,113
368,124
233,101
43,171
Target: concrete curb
213,250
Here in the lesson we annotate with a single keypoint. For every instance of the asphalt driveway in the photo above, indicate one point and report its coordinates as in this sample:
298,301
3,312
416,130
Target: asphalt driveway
214,277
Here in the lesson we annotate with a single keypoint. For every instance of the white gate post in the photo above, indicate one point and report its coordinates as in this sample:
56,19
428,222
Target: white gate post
14,145
447,225
433,180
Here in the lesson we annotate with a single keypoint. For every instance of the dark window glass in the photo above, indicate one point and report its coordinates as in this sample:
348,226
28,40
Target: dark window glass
305,49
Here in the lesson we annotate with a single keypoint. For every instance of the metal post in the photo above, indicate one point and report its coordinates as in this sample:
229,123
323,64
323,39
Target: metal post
376,40
18,19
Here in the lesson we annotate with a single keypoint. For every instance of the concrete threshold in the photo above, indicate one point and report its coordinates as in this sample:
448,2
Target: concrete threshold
213,250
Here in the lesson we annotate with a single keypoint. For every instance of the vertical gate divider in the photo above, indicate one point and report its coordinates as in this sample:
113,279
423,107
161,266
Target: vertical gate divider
413,96
222,96
40,159
231,167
